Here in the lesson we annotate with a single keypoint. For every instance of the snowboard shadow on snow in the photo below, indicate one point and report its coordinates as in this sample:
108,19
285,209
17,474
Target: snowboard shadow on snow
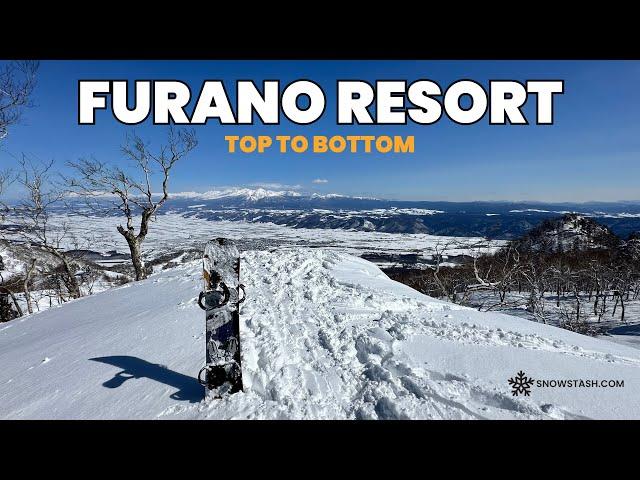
626,330
133,367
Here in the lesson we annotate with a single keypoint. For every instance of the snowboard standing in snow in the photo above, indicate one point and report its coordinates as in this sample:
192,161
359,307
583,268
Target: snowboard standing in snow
221,301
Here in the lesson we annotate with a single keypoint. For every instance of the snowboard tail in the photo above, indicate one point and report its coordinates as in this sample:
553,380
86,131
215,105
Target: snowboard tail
221,301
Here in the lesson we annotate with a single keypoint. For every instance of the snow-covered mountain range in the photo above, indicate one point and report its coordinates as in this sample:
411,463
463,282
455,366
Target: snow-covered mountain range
298,209
243,194
294,208
324,335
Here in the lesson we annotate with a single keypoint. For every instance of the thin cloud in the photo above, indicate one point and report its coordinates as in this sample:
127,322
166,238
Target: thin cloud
320,180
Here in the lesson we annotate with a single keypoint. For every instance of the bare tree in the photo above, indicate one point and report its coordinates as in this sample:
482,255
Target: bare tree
450,284
6,178
17,81
439,251
7,311
33,215
133,192
575,284
26,286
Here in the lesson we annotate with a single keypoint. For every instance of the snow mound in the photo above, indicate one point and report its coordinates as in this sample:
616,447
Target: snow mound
324,335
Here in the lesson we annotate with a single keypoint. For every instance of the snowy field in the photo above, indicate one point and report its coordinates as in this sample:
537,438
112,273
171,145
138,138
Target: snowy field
627,332
173,232
325,335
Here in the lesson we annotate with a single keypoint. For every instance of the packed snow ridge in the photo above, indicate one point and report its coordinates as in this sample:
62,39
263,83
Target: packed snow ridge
325,335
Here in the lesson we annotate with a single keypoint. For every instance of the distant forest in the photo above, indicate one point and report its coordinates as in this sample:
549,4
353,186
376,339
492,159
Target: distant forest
570,271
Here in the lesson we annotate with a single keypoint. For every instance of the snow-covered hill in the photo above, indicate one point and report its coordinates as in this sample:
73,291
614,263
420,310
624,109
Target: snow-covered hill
324,335
569,232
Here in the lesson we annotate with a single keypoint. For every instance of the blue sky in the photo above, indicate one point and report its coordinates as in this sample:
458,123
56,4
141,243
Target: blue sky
590,153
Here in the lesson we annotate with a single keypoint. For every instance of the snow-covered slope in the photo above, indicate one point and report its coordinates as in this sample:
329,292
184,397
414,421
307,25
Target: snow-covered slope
325,335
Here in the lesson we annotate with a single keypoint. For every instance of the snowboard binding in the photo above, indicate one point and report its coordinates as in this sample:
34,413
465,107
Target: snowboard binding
208,300
215,377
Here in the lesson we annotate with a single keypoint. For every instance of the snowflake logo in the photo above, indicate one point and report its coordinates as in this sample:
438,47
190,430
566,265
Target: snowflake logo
521,384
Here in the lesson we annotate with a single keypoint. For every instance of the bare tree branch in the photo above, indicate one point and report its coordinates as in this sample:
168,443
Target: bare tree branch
33,215
17,81
6,178
132,194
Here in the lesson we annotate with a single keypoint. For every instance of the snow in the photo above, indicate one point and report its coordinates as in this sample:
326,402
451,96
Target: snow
624,215
396,211
583,214
249,194
255,194
337,195
174,231
324,335
12,265
536,210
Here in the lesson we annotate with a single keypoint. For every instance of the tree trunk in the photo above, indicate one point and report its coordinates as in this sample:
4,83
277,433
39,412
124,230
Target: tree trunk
136,258
135,242
26,287
72,282
5,310
69,276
